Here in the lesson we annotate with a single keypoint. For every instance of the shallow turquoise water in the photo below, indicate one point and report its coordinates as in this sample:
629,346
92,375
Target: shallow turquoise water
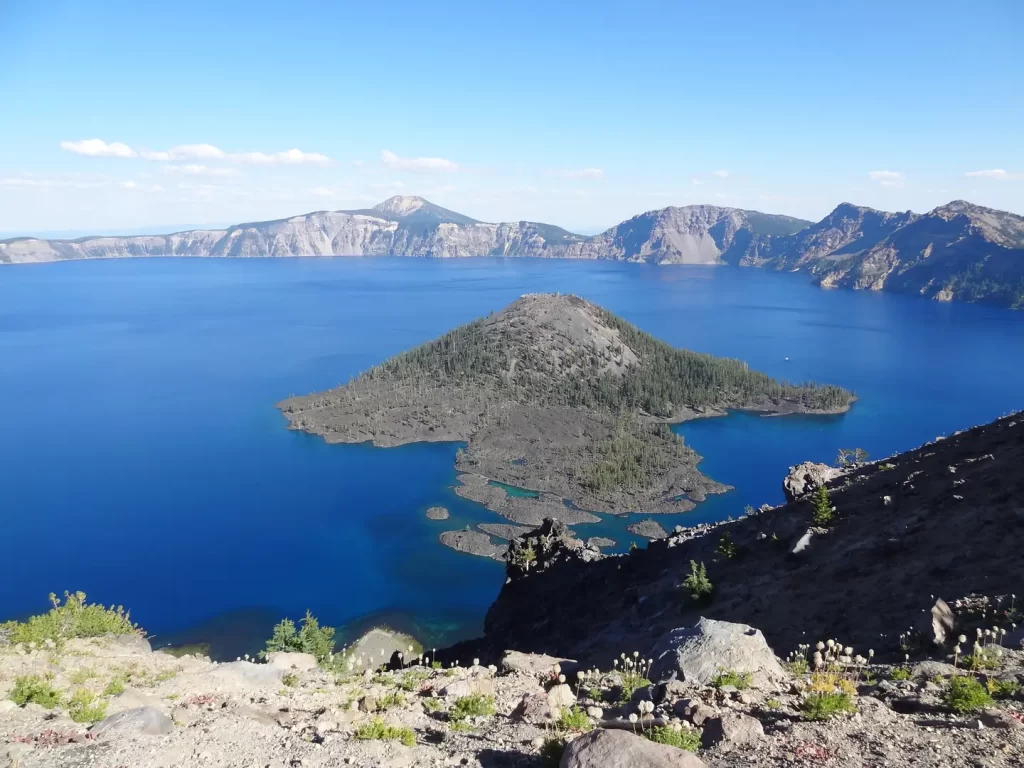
142,460
515,491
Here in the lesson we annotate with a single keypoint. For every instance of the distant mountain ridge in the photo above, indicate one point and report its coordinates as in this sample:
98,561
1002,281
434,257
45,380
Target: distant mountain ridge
958,251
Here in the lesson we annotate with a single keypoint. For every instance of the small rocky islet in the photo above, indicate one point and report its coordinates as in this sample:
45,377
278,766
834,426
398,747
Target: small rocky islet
437,513
564,409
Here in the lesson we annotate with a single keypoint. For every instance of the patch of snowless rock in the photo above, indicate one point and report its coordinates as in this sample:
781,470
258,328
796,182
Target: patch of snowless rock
288,712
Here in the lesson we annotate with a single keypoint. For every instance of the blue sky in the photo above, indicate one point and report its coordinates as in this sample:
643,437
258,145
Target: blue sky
576,113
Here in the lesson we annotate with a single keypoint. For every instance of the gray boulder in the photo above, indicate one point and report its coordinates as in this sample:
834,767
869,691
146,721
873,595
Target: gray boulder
621,749
245,674
537,665
806,478
144,721
700,653
130,698
731,729
285,661
533,708
938,624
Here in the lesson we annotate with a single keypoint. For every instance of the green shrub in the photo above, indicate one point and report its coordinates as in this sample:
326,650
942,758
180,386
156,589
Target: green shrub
1002,689
378,731
114,687
79,676
685,738
574,719
474,705
798,666
432,705
290,679
74,618
311,638
900,673
965,694
697,583
413,680
631,683
739,680
391,700
727,547
772,704
32,689
823,514
83,708
824,706
985,658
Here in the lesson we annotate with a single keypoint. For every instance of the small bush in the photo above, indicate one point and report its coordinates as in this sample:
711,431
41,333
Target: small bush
32,689
74,618
114,687
825,706
83,708
772,704
290,679
798,666
631,683
574,719
1002,689
378,731
986,658
900,673
697,583
311,638
966,694
79,676
474,705
413,680
684,738
390,701
824,514
727,547
738,680
432,705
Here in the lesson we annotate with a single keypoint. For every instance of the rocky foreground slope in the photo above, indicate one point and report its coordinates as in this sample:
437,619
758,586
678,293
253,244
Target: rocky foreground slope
945,520
957,251
712,695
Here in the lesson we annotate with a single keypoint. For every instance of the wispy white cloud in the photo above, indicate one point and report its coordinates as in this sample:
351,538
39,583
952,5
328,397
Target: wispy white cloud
195,169
322,192
996,173
721,174
419,164
888,178
696,182
196,152
288,157
388,185
576,173
70,182
203,151
98,148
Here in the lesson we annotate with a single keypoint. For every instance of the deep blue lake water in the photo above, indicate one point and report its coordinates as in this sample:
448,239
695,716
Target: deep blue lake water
142,459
